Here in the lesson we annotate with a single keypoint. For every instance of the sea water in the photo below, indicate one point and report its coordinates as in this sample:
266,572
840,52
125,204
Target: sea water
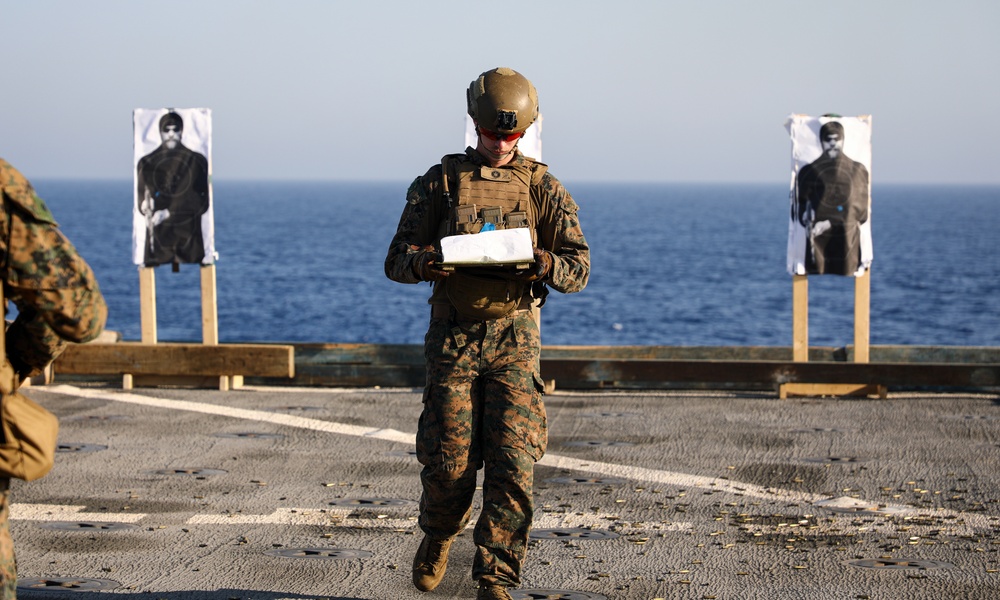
672,264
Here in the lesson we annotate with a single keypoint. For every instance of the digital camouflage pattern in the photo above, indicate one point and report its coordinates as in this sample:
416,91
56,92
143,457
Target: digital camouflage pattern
483,397
8,566
57,298
482,408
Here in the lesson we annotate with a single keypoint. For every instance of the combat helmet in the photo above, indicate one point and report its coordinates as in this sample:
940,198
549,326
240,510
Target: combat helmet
502,100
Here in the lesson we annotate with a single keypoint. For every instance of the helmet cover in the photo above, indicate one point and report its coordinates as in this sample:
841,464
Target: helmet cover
502,100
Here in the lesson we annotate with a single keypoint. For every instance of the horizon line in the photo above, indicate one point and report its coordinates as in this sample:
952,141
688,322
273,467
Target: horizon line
94,179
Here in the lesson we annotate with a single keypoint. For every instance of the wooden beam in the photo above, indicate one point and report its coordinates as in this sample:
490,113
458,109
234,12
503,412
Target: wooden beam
633,372
166,359
359,375
588,367
413,354
837,378
831,389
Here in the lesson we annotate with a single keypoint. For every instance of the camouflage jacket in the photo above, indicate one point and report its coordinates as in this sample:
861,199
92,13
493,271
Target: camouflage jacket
558,228
57,297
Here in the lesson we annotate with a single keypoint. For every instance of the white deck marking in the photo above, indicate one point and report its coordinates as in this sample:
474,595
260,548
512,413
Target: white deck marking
58,512
389,435
280,516
682,480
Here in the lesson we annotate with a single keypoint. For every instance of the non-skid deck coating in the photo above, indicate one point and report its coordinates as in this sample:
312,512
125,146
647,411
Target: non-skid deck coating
307,493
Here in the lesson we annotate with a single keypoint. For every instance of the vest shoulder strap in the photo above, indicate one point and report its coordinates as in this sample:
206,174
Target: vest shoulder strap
538,170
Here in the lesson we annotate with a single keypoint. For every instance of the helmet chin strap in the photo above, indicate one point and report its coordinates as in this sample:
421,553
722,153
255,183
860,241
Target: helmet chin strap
512,149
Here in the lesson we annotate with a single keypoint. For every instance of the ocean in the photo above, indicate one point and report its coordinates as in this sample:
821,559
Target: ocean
672,264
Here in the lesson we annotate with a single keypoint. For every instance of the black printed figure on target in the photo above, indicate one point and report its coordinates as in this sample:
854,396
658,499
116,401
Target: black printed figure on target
831,202
172,193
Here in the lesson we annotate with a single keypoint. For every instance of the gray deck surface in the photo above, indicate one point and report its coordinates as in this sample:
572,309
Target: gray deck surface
307,493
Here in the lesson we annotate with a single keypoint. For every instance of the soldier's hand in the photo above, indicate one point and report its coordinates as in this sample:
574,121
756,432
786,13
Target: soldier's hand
424,265
538,271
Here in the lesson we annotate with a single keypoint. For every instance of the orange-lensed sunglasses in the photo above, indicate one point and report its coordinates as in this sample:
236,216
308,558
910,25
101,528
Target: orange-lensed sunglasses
505,137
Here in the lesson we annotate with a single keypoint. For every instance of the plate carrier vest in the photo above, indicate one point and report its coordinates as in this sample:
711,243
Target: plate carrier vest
500,196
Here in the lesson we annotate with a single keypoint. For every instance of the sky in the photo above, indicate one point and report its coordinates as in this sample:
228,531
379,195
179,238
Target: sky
630,91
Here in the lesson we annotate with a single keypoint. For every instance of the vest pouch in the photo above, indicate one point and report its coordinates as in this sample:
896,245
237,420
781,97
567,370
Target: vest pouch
481,298
467,219
28,432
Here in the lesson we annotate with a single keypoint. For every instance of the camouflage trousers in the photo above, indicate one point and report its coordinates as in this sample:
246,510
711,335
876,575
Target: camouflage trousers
482,409
8,566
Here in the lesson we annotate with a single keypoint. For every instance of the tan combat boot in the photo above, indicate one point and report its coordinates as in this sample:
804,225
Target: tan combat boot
430,563
492,592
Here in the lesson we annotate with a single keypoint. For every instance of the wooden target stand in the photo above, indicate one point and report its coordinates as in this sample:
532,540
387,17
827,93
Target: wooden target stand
800,341
209,333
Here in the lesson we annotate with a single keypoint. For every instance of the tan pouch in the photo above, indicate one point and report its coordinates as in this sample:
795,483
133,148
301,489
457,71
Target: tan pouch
28,445
28,432
482,298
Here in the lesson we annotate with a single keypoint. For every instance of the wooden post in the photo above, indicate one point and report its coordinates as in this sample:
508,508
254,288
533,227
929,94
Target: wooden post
210,322
800,341
209,307
209,329
800,318
147,304
800,331
862,304
862,327
147,314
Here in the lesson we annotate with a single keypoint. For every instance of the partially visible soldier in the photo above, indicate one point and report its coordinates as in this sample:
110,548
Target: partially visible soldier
483,397
58,301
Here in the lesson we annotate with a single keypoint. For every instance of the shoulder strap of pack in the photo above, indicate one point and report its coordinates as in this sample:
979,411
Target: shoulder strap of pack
8,377
3,278
446,163
3,338
445,188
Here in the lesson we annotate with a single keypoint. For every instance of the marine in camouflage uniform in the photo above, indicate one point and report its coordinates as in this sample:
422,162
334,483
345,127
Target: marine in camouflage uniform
483,397
58,302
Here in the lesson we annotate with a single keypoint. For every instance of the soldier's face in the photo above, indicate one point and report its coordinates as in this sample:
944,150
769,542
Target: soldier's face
171,135
833,144
498,149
